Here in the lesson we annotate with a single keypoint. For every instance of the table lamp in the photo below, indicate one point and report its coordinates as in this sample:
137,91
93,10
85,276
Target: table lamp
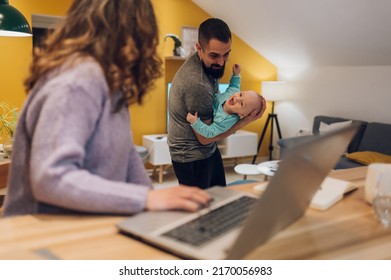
272,91
12,22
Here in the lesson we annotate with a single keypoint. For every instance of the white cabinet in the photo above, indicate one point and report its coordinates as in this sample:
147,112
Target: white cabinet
156,145
240,144
158,154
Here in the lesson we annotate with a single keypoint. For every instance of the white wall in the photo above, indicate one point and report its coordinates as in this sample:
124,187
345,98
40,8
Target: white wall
362,93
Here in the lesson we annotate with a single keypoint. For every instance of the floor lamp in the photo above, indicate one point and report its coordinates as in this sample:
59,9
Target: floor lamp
272,91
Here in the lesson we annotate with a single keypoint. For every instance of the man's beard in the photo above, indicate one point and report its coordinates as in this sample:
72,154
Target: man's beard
216,73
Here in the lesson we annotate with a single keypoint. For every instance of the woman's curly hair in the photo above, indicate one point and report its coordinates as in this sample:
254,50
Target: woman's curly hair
121,35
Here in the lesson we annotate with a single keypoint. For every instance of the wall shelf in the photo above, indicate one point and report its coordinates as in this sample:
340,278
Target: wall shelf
175,58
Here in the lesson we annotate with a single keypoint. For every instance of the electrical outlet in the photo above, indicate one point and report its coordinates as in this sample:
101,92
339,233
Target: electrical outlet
304,131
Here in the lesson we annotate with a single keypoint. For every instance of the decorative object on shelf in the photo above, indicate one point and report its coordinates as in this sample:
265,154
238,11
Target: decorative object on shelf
272,91
7,147
8,120
178,49
190,39
12,22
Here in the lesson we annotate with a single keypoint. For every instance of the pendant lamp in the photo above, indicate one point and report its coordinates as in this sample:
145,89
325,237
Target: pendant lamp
12,22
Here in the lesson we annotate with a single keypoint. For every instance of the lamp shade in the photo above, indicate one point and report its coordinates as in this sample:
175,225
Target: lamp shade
12,22
274,90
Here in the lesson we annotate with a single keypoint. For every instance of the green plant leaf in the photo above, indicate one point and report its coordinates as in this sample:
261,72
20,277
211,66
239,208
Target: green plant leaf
8,120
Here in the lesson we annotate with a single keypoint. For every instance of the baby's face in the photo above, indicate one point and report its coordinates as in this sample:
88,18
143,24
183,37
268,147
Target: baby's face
243,103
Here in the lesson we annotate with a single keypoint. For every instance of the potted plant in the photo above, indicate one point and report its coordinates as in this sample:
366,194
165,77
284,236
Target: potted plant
8,119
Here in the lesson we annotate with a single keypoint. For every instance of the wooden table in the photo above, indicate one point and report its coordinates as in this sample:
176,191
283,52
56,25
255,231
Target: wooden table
348,230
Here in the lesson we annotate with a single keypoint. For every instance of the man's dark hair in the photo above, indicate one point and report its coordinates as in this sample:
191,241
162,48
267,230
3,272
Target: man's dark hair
213,28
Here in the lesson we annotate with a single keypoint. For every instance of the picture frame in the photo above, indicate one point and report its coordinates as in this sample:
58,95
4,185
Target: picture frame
189,38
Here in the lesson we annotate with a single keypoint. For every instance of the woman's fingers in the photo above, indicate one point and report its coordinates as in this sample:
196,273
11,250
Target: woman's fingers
185,198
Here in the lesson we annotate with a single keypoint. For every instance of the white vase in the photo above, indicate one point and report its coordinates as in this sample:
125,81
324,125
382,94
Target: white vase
7,147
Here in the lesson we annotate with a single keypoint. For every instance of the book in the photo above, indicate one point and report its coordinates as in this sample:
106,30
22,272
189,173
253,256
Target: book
330,192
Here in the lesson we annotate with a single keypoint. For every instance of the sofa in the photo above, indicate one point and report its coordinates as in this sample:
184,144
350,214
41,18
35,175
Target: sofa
372,143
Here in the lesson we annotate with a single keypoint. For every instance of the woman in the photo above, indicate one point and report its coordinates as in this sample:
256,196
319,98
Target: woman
73,150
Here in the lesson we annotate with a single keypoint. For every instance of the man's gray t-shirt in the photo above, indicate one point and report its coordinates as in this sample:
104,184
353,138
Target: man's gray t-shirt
192,90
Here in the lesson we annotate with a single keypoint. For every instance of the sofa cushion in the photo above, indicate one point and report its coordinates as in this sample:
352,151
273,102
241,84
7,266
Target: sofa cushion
325,128
354,144
344,163
368,157
376,138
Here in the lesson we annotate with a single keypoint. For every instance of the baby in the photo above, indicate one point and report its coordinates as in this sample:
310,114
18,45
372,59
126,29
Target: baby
228,108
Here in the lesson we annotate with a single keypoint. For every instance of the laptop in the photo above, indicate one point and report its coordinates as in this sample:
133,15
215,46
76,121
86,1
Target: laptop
212,233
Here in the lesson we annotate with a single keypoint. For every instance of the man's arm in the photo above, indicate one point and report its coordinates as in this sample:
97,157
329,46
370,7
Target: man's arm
240,124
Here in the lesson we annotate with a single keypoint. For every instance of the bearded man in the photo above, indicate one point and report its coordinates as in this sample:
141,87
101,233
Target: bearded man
197,160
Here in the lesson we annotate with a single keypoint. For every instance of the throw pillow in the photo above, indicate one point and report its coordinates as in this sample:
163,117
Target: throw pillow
368,157
324,127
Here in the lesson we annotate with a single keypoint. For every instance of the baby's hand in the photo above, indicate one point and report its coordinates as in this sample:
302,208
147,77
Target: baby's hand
192,118
236,69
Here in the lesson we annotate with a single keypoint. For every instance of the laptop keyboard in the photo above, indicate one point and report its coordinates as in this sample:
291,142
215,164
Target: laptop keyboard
199,231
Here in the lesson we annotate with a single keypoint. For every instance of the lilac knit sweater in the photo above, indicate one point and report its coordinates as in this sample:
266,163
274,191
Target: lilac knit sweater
71,152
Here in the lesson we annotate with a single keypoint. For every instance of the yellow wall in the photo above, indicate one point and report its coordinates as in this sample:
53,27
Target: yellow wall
15,53
150,118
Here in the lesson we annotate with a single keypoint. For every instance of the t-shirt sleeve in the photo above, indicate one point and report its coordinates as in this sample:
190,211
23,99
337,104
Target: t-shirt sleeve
199,99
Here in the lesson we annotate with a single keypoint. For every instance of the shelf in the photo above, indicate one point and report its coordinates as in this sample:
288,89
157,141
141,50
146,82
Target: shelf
175,58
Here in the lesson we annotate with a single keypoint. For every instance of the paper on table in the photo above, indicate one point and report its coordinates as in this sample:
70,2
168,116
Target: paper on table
330,192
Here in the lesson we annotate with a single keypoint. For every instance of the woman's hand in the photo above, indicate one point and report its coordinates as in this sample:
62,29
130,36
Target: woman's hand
182,197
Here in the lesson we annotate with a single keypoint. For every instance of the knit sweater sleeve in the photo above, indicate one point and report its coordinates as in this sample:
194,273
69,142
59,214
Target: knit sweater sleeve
81,153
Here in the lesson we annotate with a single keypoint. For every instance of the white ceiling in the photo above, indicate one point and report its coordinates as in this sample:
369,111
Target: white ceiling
305,33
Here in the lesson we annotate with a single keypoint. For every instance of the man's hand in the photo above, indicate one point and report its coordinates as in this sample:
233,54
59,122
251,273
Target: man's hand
254,114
